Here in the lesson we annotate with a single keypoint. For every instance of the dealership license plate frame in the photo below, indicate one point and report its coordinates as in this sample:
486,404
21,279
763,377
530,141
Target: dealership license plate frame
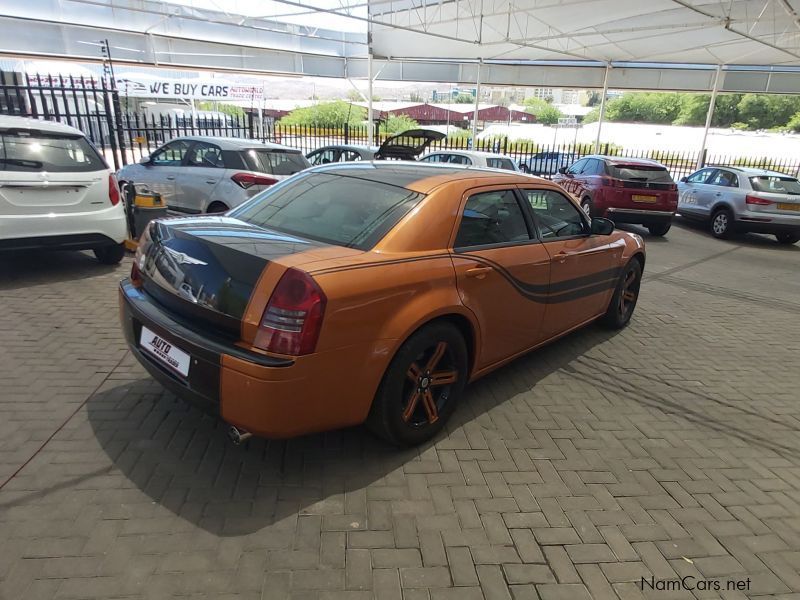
164,352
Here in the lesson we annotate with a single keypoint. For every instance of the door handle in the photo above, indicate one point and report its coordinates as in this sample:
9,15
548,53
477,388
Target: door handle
562,256
171,177
211,181
719,193
478,272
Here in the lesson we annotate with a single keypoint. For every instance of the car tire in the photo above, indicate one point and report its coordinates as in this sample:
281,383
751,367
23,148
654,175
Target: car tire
722,223
626,294
409,408
787,238
110,255
659,229
216,208
586,207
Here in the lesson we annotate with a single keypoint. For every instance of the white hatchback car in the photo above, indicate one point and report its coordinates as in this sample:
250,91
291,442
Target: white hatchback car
56,191
472,158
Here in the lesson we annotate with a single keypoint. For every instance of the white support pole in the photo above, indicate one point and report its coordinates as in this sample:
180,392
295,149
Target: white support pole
602,110
477,107
709,116
371,127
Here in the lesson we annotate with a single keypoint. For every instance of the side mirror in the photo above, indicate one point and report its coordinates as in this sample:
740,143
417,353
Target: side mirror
562,170
601,226
145,160
684,180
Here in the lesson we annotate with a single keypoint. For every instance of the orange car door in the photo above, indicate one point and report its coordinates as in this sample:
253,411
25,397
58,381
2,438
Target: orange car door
584,268
502,272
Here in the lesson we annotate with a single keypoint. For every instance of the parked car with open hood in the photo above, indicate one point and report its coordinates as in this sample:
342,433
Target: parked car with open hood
369,292
198,174
734,199
625,190
403,146
56,191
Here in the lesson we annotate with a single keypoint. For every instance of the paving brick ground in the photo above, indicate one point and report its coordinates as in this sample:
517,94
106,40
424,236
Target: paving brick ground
670,449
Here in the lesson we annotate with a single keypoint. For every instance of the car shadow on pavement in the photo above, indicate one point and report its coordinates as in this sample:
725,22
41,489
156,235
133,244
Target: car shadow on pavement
755,240
182,459
21,269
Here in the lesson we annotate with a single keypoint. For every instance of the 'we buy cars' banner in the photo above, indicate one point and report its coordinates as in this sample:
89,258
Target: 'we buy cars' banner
189,89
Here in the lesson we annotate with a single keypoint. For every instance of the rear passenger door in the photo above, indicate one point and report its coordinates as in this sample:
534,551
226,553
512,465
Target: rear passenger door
502,272
583,267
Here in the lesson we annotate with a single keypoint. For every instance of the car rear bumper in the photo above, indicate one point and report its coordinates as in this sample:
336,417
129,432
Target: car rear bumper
639,216
75,231
269,396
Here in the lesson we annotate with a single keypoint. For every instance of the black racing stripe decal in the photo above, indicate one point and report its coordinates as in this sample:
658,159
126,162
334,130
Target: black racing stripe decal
574,286
562,291
378,263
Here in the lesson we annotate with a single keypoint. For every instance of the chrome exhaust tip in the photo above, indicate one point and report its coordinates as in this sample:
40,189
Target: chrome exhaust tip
237,436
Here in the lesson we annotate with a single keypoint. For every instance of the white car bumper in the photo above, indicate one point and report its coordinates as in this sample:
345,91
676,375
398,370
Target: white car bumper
80,230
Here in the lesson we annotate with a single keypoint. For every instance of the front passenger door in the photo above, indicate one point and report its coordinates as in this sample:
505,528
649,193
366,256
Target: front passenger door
583,267
161,173
502,272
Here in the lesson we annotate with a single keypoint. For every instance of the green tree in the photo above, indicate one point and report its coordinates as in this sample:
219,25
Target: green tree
549,115
464,98
794,123
764,111
535,105
399,124
327,114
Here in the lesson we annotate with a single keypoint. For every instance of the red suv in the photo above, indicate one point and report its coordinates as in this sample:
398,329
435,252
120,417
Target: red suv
625,190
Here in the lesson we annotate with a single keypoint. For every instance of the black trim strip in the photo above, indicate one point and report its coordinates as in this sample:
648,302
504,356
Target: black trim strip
560,291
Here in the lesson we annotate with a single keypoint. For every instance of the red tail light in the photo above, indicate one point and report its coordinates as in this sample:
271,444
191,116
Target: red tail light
248,180
611,182
293,317
113,189
758,201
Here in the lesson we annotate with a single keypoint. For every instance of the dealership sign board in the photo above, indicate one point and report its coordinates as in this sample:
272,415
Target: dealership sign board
189,89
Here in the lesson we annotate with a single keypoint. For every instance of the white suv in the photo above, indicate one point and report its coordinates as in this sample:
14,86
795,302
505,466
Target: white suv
57,192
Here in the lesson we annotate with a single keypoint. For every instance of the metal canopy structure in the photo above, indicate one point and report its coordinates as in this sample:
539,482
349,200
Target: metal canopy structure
651,44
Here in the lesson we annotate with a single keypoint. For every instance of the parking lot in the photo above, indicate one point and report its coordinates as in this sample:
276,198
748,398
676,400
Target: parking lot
671,448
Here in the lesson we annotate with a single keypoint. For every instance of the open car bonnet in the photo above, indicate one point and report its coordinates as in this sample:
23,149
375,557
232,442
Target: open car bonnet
408,145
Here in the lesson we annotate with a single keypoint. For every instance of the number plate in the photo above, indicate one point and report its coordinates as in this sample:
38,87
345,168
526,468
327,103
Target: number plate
164,352
784,206
644,198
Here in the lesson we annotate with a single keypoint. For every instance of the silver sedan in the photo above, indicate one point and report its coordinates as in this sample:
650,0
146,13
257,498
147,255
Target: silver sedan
735,199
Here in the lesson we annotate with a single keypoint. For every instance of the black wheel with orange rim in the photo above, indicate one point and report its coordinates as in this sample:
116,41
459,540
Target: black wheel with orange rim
421,387
623,302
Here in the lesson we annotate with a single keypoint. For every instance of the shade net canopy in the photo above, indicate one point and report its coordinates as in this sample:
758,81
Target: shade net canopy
705,32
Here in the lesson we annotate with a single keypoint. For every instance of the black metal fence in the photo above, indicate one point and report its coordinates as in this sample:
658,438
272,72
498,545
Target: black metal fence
94,106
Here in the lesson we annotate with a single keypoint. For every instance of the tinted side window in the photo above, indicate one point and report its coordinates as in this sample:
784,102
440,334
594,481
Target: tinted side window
700,176
594,167
492,218
171,155
323,157
724,179
555,216
205,155
457,159
500,163
578,167
432,158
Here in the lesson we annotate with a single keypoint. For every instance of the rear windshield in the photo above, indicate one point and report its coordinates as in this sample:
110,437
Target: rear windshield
22,150
330,208
275,162
776,185
640,173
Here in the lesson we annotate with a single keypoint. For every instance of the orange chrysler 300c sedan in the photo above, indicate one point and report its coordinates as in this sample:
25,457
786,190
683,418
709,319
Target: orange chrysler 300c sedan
369,292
